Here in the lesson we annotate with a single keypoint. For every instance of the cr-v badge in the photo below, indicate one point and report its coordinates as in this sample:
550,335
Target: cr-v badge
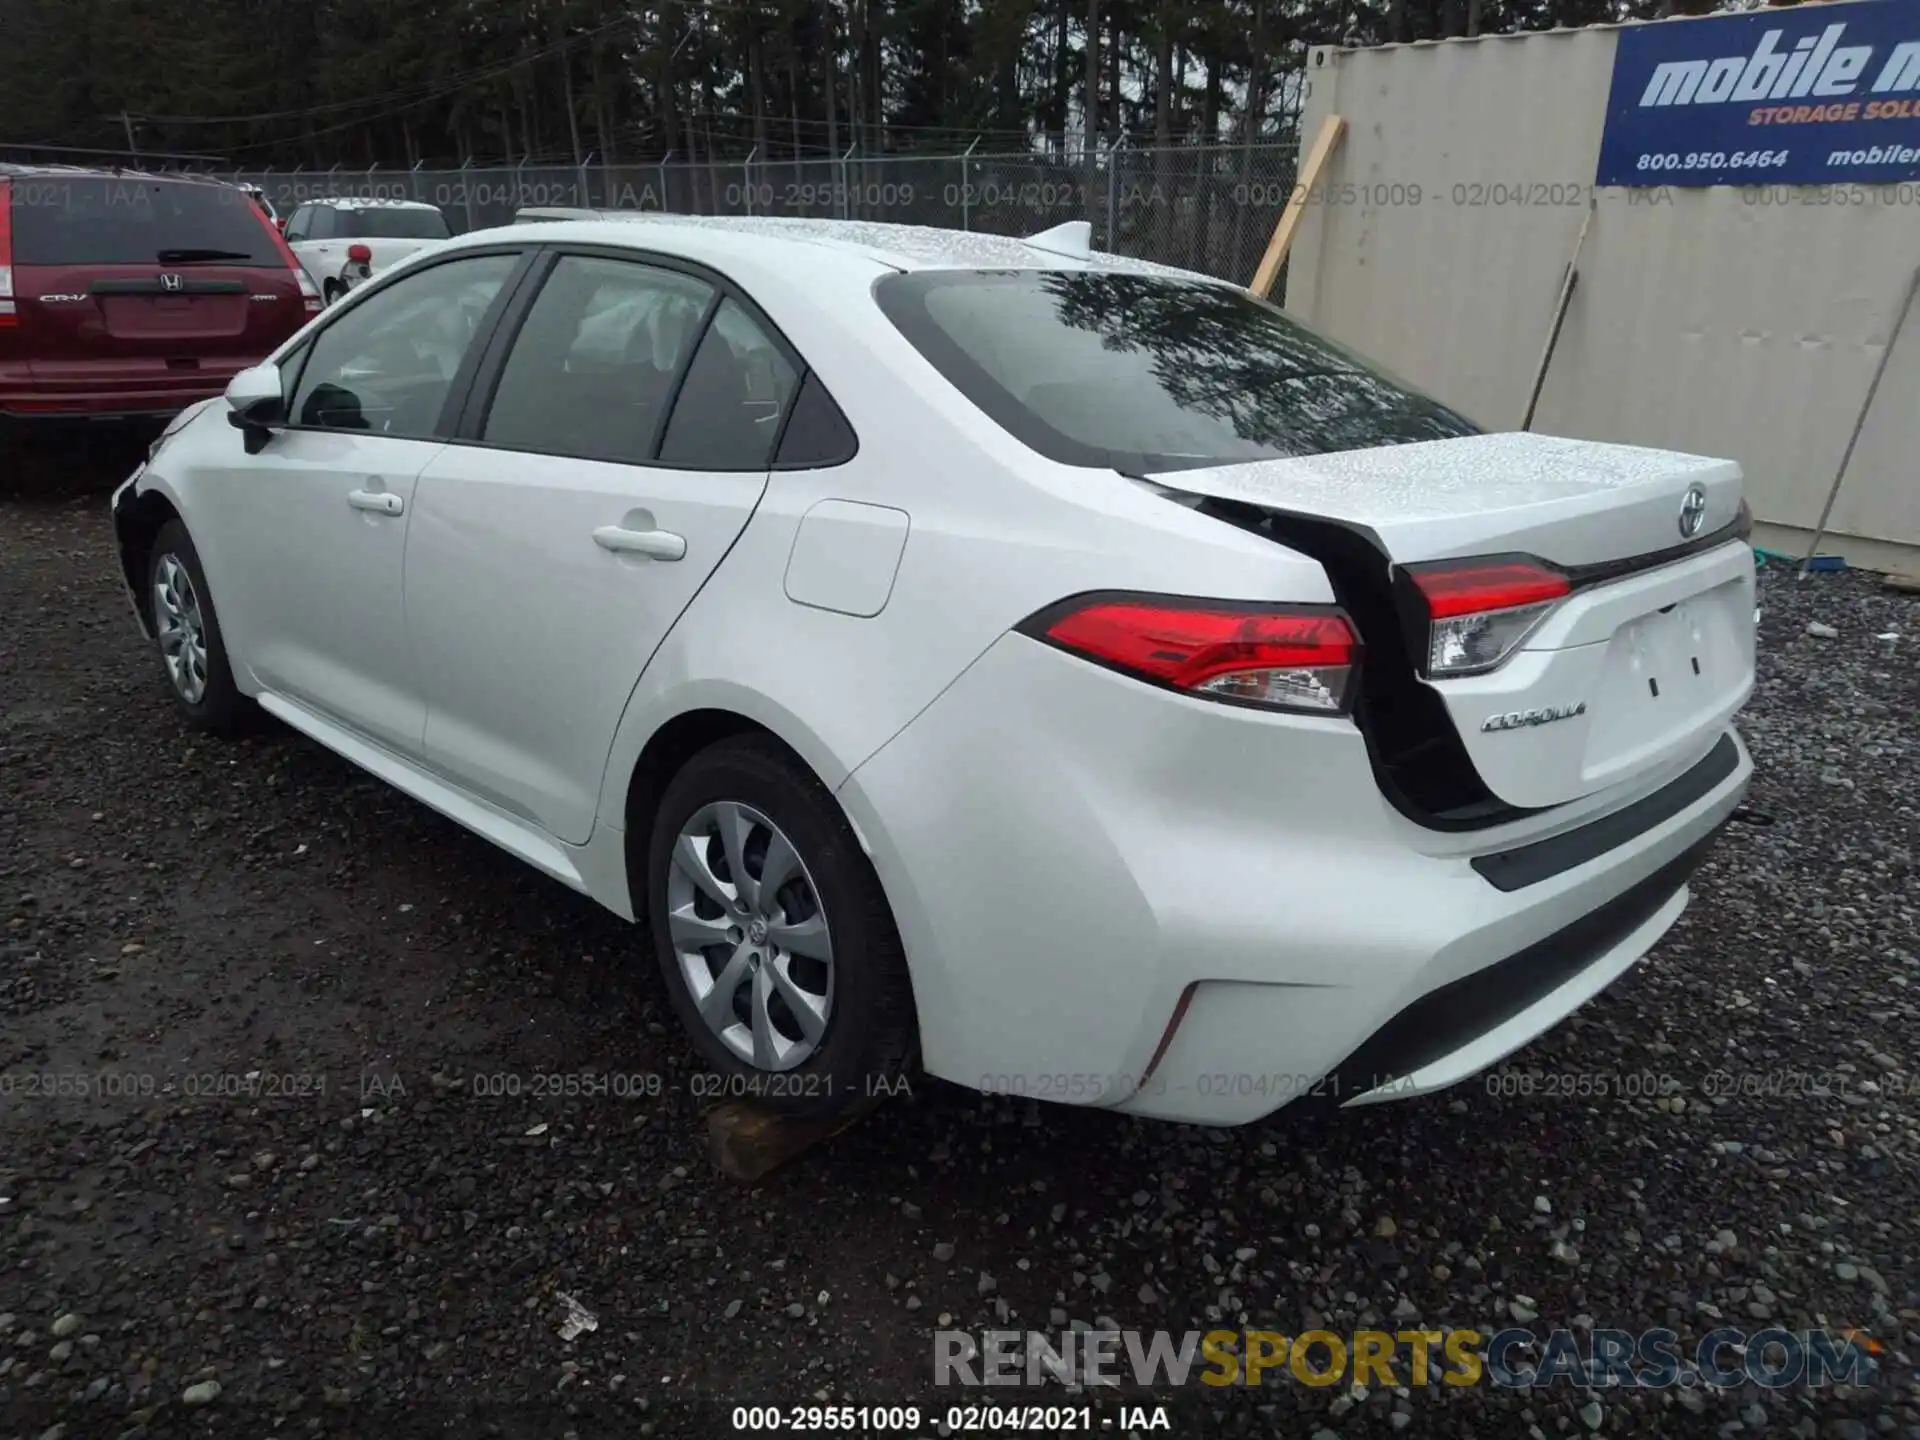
1525,719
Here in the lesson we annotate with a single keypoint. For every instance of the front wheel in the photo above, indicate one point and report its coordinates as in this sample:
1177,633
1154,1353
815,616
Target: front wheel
187,631
777,944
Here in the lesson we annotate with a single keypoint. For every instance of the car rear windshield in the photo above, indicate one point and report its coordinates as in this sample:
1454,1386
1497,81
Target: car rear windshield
130,220
391,225
1148,373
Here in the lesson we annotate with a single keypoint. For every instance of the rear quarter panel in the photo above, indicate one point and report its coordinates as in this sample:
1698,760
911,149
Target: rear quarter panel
993,534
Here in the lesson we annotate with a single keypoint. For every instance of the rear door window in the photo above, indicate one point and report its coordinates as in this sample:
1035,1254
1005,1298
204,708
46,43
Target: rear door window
593,366
1149,373
375,223
737,390
130,220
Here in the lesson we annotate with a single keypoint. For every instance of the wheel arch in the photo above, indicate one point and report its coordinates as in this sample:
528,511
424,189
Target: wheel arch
708,715
136,526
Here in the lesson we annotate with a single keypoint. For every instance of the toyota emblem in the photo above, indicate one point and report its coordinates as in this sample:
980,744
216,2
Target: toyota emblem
1693,511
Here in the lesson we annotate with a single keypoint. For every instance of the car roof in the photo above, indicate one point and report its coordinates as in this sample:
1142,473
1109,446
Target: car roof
354,202
10,170
898,247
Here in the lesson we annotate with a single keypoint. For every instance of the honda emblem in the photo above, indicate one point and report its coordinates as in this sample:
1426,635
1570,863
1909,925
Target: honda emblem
172,284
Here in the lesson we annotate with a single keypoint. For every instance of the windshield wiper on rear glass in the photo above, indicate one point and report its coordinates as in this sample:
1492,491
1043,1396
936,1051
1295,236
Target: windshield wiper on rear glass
195,257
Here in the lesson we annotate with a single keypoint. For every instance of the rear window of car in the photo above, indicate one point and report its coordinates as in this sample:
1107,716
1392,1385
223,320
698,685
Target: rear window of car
129,220
1149,373
395,224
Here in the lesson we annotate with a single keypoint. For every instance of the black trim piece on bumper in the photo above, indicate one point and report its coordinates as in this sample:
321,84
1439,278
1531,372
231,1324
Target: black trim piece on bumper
1526,865
1443,1020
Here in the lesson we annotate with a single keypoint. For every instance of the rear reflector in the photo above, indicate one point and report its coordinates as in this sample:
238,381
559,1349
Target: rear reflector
1300,658
1479,611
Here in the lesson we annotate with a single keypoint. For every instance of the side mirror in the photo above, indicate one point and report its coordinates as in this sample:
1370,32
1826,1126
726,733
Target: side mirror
255,404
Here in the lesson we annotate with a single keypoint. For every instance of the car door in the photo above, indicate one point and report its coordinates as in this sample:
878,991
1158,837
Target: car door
610,458
315,524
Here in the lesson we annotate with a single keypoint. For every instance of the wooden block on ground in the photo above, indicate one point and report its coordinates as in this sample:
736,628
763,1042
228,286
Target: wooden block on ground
1899,580
748,1141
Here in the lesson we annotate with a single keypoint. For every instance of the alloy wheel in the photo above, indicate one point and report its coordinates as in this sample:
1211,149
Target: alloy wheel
180,628
750,935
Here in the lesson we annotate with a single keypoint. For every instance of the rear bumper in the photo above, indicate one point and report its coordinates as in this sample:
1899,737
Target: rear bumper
130,391
1119,897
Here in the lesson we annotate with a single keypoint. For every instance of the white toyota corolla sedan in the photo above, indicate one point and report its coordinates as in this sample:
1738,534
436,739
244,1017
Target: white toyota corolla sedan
1068,675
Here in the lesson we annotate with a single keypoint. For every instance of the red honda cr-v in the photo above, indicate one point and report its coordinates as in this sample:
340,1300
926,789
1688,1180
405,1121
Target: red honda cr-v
129,294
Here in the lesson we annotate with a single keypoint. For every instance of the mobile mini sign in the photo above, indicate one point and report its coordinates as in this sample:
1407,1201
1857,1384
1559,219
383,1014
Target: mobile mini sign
1813,95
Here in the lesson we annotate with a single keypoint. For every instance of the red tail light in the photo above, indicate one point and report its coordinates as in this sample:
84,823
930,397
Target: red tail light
309,296
1480,610
360,254
8,314
1277,657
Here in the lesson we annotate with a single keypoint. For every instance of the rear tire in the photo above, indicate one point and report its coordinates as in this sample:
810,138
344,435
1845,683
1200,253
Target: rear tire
193,653
799,996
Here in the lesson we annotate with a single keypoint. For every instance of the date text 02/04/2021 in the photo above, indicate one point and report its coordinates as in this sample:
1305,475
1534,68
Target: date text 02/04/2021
954,1420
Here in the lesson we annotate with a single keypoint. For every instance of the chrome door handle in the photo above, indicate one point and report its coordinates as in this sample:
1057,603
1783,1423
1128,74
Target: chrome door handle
659,544
380,502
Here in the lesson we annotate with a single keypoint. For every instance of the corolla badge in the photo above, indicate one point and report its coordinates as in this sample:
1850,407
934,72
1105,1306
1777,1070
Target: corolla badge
1693,511
1526,719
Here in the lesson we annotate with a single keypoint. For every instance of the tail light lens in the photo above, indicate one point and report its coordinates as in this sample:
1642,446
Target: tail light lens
1277,657
1478,611
8,314
310,297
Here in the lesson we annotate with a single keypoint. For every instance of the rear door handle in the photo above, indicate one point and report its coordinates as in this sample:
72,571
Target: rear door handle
380,502
659,544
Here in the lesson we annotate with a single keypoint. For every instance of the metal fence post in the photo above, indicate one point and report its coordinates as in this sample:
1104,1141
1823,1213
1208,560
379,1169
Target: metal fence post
586,190
371,192
846,197
413,179
1113,194
466,186
665,194
330,185
519,186
966,185
746,175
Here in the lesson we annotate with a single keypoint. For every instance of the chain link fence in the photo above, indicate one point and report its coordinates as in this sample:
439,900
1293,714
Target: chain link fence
1205,208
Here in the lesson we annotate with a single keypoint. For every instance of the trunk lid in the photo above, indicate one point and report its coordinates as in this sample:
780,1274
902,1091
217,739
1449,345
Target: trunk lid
1641,666
80,313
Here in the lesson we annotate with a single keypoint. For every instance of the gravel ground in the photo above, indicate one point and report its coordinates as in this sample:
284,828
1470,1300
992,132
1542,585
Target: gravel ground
363,1245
